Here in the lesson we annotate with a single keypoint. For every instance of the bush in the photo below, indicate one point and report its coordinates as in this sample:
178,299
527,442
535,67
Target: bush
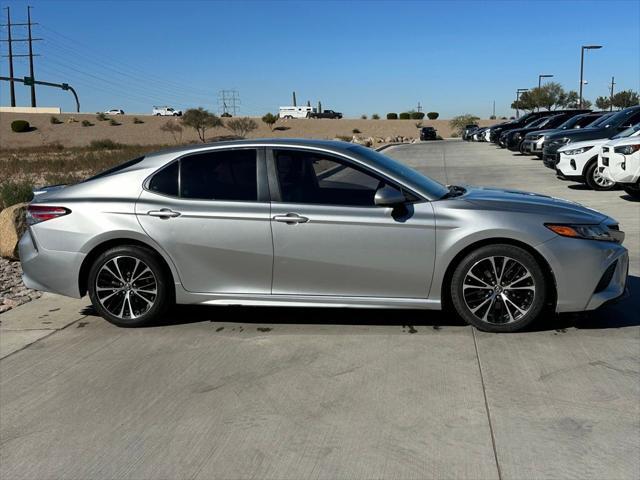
20,126
270,119
114,123
416,115
392,116
54,120
432,115
174,129
86,123
355,130
375,116
102,117
15,192
492,117
137,120
363,116
105,144
241,126
201,120
405,116
458,123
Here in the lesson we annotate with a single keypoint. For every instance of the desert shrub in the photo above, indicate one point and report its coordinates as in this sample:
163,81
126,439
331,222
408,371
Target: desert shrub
53,146
363,116
86,123
241,126
54,120
226,115
375,116
72,120
105,144
405,116
114,123
392,116
137,120
200,120
15,192
432,115
416,115
174,129
492,117
270,119
102,117
418,124
458,123
355,130
20,126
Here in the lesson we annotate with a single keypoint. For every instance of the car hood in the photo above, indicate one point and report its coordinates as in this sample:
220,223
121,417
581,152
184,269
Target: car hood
586,143
541,132
550,208
580,134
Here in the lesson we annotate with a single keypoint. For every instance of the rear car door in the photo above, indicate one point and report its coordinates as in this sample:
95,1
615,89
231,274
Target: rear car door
210,211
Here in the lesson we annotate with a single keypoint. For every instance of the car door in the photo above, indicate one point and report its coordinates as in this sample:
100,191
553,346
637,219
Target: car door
329,237
210,212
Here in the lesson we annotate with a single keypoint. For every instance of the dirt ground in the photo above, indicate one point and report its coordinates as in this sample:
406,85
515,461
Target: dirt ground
149,133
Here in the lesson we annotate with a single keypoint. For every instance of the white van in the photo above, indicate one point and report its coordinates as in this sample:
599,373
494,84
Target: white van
166,111
295,112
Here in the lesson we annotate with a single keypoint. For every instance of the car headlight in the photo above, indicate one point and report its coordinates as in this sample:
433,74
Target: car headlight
590,232
627,149
517,136
577,151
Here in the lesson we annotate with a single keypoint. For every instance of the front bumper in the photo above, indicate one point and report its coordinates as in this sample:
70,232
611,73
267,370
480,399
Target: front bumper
613,170
588,273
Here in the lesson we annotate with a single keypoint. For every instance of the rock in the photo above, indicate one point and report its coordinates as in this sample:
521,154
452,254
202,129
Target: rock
12,225
361,141
389,140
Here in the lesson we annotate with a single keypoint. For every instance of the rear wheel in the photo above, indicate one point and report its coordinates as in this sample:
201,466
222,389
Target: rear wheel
498,288
594,178
128,286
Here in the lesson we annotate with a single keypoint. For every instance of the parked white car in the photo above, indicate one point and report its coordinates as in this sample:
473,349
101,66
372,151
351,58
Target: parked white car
114,111
579,161
295,112
619,161
166,111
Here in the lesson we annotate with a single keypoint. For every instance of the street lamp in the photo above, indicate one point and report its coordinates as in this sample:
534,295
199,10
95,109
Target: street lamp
540,77
518,92
584,47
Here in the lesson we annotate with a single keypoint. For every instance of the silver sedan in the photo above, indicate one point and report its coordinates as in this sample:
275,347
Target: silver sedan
315,223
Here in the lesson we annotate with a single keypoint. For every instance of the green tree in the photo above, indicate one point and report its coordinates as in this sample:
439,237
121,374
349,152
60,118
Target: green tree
458,123
200,120
603,103
270,119
624,99
241,126
525,102
571,100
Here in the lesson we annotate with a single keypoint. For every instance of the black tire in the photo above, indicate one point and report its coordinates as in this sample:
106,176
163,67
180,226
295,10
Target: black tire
591,177
497,315
119,260
633,190
521,148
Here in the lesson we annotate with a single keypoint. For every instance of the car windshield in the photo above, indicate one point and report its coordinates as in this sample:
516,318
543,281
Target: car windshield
535,123
435,189
628,132
601,121
617,118
546,121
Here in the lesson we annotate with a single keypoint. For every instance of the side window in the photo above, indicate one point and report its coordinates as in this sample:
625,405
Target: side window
166,180
220,175
309,177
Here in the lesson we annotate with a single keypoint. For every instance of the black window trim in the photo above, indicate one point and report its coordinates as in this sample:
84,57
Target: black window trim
274,182
263,192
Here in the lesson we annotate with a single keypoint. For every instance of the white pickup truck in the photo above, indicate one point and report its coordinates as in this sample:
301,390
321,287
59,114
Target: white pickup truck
166,111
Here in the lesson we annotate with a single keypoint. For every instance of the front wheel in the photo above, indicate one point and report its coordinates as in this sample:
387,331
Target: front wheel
595,180
498,288
129,287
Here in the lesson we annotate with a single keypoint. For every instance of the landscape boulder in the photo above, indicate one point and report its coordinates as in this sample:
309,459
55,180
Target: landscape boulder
12,225
361,141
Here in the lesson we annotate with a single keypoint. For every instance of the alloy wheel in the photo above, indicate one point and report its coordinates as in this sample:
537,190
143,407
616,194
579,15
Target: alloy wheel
126,287
600,180
499,290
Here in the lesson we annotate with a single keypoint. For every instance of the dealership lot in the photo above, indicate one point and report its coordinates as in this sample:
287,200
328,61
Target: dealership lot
310,393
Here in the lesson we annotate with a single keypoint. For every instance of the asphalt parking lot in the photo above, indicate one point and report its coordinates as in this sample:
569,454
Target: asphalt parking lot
235,393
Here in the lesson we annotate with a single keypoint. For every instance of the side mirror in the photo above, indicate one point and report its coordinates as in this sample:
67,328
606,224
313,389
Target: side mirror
389,197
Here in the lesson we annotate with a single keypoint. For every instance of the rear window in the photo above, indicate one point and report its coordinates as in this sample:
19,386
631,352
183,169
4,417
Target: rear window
116,169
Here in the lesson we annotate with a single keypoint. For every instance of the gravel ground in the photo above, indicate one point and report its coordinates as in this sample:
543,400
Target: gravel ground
12,290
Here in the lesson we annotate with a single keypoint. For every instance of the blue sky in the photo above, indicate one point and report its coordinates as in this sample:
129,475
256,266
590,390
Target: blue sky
356,57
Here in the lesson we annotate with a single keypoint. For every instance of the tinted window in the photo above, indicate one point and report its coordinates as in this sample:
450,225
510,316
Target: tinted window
309,177
221,175
166,180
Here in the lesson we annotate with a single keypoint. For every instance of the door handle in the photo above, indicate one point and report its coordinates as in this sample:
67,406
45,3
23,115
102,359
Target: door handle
291,218
163,213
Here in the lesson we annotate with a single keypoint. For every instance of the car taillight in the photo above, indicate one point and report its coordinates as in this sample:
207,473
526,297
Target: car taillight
42,213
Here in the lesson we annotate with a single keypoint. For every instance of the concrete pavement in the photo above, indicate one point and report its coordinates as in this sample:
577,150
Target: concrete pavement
234,393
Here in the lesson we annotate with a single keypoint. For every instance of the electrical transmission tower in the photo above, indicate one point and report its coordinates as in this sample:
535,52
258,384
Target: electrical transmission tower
419,108
30,80
228,102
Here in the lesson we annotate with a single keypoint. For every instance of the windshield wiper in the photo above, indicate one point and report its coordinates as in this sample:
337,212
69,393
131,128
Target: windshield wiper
454,191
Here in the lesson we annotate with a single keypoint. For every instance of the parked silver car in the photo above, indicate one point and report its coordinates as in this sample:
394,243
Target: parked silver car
315,223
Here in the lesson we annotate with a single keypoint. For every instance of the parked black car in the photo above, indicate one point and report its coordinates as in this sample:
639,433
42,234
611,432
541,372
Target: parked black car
469,130
516,137
532,143
605,129
325,114
497,130
502,140
428,133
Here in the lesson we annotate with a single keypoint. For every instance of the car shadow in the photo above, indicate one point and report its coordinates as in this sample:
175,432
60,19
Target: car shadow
623,313
629,198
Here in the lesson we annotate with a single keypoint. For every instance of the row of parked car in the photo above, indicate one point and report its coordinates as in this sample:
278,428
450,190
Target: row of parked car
600,149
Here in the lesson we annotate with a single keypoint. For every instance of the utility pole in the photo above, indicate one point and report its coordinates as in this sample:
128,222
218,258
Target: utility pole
294,100
611,95
419,107
31,74
12,87
494,109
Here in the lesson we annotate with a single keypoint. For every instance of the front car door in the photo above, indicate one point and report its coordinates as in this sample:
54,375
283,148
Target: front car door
210,212
329,237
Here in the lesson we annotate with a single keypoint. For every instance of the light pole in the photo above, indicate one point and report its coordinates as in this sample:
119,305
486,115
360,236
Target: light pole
540,77
518,92
584,47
